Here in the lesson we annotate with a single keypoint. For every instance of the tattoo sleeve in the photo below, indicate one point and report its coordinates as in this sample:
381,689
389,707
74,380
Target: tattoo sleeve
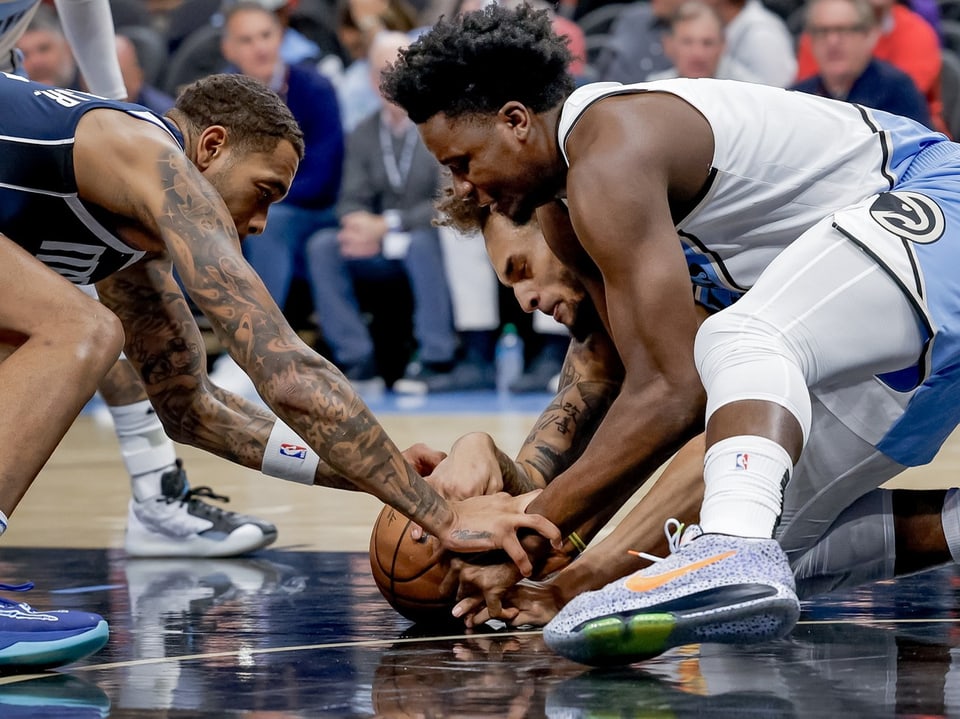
299,385
589,382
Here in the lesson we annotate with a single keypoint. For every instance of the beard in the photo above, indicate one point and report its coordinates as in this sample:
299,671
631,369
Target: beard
586,320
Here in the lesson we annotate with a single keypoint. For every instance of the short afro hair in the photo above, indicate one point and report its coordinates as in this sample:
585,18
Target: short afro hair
476,62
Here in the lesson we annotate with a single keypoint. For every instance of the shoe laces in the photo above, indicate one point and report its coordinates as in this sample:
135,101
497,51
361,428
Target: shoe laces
673,531
193,495
25,587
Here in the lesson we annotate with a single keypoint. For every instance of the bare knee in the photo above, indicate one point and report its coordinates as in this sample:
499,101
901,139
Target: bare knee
91,336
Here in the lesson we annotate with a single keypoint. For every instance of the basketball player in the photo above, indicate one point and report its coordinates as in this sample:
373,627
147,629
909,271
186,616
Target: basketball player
833,224
165,516
131,197
882,535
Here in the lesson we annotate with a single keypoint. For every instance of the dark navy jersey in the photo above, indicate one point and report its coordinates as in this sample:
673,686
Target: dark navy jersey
39,207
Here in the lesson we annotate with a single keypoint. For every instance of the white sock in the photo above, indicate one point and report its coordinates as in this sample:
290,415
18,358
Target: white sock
950,520
146,450
744,479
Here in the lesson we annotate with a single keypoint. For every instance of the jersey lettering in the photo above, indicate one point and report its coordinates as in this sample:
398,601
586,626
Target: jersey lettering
67,98
72,261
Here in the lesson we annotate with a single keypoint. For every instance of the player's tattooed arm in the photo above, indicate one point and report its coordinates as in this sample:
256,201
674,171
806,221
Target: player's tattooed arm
589,382
306,391
164,343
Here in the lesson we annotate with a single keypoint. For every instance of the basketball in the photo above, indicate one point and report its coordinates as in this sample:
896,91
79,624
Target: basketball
409,573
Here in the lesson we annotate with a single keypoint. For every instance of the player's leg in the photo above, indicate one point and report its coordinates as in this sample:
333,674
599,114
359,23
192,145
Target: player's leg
166,517
884,534
62,344
823,310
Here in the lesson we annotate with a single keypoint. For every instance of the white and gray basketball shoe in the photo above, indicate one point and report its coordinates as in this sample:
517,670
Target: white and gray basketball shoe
178,523
713,588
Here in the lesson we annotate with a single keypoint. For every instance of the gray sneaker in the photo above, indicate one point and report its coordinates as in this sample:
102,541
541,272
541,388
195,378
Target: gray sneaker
714,588
177,523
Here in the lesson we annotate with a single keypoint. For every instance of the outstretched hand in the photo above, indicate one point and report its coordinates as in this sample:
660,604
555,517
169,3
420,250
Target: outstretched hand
492,522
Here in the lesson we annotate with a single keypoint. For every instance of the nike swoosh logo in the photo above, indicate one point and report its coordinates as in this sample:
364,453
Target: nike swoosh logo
638,583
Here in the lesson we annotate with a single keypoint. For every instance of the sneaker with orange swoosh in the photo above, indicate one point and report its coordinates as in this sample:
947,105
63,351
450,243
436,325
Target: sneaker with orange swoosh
715,588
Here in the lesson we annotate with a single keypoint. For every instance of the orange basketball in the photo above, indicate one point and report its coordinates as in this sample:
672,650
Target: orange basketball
409,573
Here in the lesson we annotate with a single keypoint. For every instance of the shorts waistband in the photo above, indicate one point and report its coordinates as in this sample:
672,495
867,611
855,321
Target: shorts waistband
932,156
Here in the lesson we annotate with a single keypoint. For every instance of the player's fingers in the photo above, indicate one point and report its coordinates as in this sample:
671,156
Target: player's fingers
450,579
542,525
516,552
416,533
467,606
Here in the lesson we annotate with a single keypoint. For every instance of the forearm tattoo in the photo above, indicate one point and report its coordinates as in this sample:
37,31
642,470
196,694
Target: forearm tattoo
567,425
299,385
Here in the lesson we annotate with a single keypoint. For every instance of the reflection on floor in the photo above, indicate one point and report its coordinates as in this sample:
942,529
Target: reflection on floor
306,634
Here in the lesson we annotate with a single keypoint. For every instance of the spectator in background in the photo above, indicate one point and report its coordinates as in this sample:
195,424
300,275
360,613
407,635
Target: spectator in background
251,44
759,40
295,47
906,41
47,56
842,35
386,211
138,90
634,48
358,21
695,44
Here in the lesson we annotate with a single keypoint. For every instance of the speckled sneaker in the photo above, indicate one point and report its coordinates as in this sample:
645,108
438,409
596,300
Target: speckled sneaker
715,588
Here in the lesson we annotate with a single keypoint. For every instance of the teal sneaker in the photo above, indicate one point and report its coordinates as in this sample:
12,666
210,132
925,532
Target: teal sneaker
31,640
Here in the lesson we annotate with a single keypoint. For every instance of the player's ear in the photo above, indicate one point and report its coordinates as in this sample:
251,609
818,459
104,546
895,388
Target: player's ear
516,115
210,145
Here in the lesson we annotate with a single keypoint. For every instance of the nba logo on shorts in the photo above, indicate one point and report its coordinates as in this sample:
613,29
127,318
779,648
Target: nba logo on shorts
294,451
742,459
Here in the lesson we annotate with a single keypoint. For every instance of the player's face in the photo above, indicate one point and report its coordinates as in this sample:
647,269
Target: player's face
523,261
250,182
489,164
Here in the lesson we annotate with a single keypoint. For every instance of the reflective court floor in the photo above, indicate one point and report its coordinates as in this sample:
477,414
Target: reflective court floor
299,630
306,634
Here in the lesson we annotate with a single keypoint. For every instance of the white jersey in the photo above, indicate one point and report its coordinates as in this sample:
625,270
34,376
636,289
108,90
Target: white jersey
15,15
771,179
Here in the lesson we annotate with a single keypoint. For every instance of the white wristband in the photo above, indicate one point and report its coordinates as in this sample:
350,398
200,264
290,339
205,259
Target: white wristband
288,457
3,522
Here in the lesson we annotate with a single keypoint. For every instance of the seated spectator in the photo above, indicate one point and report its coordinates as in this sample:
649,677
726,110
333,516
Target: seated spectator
138,90
47,56
759,40
358,21
907,42
251,44
634,48
295,48
386,210
842,35
695,44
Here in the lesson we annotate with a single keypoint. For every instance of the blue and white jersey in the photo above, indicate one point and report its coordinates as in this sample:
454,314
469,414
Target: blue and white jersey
772,179
784,161
39,206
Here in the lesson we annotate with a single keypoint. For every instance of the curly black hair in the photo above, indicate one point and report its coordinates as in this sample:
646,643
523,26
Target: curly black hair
252,113
475,62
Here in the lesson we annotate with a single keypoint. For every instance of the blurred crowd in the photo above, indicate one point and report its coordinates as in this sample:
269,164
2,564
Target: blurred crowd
353,254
